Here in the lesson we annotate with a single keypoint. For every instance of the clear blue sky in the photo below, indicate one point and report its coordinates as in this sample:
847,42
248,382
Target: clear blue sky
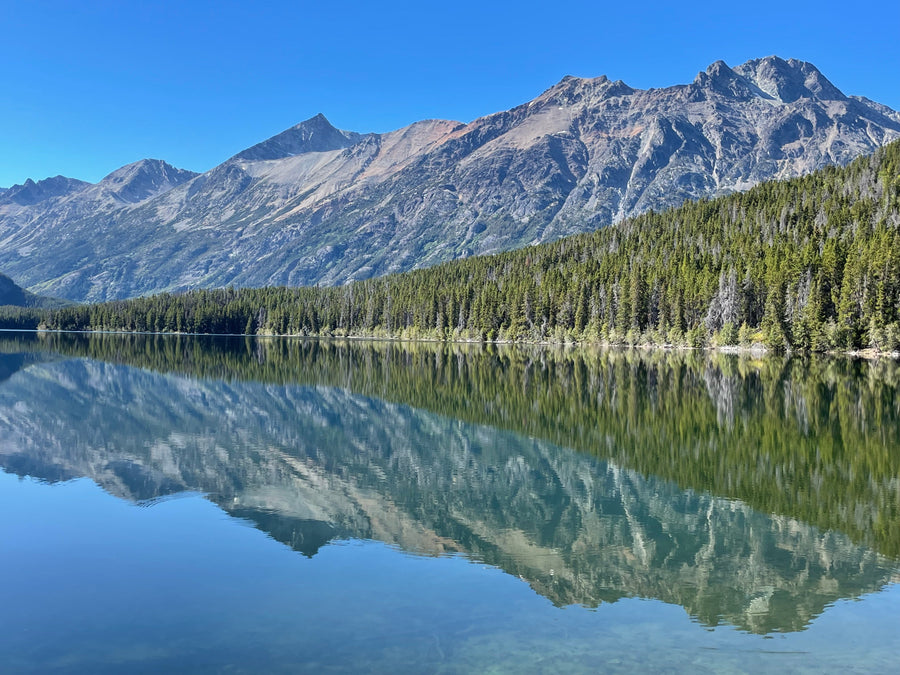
89,86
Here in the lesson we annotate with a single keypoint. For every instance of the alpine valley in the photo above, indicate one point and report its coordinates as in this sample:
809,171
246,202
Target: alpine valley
318,205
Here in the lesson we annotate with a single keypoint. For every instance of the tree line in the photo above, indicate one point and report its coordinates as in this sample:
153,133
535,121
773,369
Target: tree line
810,264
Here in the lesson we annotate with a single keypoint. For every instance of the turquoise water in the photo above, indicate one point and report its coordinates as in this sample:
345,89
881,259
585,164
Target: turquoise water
157,517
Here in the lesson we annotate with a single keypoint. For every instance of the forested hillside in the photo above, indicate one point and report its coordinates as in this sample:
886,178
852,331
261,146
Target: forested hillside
812,263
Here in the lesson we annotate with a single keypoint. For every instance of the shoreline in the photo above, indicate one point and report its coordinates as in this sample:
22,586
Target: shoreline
754,350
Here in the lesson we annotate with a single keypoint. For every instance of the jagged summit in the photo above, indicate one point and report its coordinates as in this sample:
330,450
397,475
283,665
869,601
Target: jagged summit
142,179
571,85
313,135
723,80
789,80
770,78
573,80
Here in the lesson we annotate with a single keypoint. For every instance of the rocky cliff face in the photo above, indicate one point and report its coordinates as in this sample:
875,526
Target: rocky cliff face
315,204
313,464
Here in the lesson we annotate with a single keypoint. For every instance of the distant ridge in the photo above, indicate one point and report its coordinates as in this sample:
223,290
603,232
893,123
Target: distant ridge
144,179
11,294
318,205
31,192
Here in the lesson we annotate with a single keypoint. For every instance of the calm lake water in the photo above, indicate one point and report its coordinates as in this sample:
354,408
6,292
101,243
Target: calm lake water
190,505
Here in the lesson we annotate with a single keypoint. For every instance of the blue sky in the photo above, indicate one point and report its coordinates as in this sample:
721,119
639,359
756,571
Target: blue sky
89,86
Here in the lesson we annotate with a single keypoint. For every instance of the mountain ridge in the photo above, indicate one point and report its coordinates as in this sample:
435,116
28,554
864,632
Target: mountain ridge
143,179
317,205
13,295
32,192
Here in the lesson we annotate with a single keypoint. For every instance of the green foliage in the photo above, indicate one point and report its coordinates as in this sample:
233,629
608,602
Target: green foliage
745,335
19,318
809,264
728,335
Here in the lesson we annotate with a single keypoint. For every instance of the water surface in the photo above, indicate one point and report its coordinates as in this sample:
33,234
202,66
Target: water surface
199,505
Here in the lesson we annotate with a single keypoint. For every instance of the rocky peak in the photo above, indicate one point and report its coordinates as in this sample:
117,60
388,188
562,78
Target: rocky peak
148,177
722,80
572,90
789,80
313,135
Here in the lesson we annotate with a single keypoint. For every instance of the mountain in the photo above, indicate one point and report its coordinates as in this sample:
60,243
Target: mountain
317,205
61,222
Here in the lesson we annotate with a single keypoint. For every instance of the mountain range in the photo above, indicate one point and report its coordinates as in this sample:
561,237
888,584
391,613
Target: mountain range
318,205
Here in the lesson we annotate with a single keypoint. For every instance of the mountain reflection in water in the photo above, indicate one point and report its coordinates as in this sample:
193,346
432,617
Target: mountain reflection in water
754,493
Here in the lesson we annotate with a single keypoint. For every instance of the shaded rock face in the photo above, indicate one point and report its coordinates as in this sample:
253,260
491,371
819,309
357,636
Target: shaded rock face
11,293
315,204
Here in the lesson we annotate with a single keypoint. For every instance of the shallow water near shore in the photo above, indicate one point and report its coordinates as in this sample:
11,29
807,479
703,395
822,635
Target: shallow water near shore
195,505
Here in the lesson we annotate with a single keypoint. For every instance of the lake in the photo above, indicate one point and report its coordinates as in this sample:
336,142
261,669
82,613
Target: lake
230,505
